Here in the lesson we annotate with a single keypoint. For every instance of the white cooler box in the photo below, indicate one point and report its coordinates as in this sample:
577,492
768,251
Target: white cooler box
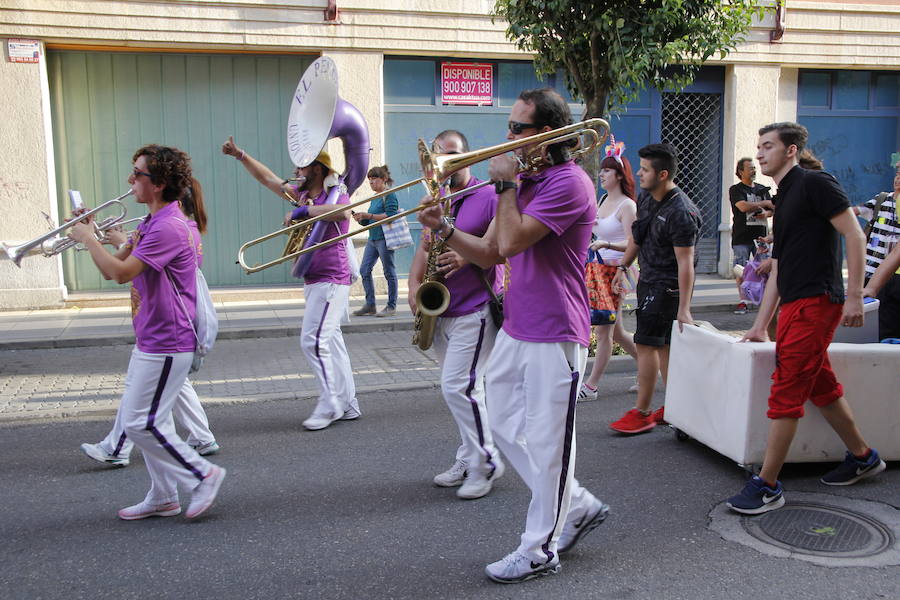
717,393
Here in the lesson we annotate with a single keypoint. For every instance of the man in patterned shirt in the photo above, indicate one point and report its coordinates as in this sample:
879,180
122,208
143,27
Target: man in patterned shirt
885,226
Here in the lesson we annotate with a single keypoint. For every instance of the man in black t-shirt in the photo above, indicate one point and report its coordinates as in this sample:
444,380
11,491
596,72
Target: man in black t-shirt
748,217
663,239
811,213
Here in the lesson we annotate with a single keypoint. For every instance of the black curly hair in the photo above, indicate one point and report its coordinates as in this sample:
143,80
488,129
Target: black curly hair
172,168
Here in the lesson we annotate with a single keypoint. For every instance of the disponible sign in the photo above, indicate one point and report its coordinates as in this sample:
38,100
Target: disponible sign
467,83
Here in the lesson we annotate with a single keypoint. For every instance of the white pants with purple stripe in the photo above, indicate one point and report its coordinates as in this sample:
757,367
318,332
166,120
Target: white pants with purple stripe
323,345
463,345
187,410
531,392
152,386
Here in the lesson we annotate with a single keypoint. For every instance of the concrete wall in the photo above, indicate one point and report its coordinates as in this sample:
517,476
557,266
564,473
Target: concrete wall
27,184
751,100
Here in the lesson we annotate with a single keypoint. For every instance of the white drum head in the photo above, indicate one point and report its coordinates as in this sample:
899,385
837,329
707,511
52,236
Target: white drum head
312,111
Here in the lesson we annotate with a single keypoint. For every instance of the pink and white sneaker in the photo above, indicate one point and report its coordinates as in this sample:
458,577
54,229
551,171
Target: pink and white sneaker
205,493
143,510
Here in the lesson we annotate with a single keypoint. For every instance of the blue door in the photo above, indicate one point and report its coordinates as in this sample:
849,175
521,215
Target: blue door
853,119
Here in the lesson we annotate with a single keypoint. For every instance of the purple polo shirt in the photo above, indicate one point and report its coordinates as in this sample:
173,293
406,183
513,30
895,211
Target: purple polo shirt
329,264
547,299
467,292
167,241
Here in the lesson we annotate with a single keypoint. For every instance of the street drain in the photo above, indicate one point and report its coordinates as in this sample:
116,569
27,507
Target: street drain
824,529
820,530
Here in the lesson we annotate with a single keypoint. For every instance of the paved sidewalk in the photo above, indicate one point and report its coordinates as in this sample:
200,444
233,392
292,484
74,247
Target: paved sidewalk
72,362
103,326
57,383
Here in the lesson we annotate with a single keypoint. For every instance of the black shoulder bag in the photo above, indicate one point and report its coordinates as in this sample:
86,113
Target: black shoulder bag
495,304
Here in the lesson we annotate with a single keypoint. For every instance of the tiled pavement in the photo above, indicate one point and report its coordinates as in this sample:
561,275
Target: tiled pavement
71,362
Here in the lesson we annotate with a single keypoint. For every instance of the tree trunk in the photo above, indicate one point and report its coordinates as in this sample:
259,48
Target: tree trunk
594,107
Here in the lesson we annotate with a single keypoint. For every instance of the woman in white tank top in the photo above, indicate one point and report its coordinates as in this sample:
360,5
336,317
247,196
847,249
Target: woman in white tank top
616,212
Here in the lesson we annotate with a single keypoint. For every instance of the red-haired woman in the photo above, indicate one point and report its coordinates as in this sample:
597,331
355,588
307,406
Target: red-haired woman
163,258
616,211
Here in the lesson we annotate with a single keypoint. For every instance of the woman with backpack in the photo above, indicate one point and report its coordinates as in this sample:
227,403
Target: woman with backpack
161,262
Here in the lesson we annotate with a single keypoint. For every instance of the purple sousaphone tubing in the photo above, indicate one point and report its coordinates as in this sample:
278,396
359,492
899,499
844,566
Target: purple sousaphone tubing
317,115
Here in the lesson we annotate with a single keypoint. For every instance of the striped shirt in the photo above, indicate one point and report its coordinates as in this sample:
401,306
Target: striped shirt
885,231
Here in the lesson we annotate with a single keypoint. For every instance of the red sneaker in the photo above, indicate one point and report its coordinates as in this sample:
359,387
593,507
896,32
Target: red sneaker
633,422
659,417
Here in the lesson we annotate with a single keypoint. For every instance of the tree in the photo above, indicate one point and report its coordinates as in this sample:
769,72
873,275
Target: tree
612,49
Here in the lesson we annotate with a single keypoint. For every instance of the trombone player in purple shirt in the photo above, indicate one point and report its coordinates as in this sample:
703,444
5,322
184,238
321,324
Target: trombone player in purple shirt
543,226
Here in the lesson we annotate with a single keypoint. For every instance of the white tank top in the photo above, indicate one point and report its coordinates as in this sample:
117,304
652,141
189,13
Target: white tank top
610,229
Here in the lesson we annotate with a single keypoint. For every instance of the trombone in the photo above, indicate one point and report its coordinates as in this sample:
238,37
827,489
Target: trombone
50,244
436,168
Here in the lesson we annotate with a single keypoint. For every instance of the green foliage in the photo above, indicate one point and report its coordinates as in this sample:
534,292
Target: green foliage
611,49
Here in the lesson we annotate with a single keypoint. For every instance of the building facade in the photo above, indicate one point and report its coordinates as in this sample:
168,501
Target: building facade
110,76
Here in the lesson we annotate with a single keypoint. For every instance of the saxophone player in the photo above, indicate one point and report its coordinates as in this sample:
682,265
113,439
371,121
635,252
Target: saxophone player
543,226
464,333
326,284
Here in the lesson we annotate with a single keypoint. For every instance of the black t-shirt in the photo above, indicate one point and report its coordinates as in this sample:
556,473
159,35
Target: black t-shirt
745,228
658,228
807,246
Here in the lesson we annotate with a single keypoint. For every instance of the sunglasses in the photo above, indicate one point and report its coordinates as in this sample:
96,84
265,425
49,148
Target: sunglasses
516,127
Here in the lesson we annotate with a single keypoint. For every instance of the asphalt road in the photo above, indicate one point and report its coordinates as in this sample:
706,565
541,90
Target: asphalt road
350,512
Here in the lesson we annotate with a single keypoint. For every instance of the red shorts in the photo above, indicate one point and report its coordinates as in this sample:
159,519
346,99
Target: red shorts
802,370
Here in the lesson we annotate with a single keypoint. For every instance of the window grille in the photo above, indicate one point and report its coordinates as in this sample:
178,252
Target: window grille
692,122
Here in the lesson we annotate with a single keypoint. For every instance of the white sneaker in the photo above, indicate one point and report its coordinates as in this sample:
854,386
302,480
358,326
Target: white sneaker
478,485
316,422
205,493
206,449
453,476
516,567
97,452
144,510
579,525
351,414
586,393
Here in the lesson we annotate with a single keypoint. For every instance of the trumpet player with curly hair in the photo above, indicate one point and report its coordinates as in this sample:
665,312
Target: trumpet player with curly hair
161,264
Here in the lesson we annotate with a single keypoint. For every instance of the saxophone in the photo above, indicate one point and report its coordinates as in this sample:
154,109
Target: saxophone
297,237
432,297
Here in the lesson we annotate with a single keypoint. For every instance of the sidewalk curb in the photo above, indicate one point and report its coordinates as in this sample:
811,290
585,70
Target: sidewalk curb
47,416
369,325
268,331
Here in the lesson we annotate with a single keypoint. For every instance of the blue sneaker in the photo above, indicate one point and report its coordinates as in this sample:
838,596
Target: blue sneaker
757,498
852,469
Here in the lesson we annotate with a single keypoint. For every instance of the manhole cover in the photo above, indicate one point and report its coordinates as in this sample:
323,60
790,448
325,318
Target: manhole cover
820,530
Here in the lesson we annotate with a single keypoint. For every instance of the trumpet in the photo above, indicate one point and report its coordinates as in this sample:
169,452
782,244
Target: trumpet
51,243
436,168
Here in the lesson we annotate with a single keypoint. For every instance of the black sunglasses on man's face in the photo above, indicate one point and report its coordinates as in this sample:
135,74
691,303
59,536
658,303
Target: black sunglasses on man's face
517,127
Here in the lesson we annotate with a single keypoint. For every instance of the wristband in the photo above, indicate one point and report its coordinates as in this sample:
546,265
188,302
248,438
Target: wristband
122,245
445,221
502,186
301,212
450,234
241,157
622,268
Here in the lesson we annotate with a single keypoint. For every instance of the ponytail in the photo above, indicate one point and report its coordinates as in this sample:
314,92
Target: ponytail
192,203
808,160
